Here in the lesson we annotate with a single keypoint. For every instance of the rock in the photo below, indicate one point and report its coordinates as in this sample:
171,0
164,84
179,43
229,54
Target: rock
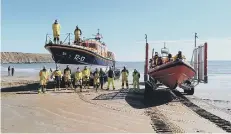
18,57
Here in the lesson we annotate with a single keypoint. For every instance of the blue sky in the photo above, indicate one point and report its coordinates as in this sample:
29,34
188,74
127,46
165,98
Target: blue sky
123,24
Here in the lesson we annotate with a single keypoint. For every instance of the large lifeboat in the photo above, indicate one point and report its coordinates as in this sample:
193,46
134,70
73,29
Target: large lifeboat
175,71
90,52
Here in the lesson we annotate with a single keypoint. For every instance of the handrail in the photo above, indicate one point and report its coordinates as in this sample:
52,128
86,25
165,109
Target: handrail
68,36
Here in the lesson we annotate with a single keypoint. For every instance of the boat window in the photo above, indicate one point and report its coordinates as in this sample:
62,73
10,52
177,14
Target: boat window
84,44
92,45
103,51
110,55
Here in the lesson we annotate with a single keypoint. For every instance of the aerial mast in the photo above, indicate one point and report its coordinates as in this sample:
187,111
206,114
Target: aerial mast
98,36
146,60
196,40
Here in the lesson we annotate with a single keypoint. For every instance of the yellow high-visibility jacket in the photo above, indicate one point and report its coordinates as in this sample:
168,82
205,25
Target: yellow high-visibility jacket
86,72
77,33
136,76
44,77
125,74
56,29
175,57
57,73
78,76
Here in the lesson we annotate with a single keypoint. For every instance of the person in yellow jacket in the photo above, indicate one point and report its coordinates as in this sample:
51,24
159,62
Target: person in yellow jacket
67,77
77,33
136,77
78,79
44,77
110,79
57,74
96,79
125,74
179,56
86,76
56,31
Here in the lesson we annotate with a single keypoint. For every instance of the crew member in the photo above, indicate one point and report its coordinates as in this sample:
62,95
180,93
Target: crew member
179,56
111,77
96,79
86,76
150,63
67,77
9,71
56,31
125,74
159,61
77,33
155,59
44,77
58,75
101,77
169,58
12,71
136,77
78,79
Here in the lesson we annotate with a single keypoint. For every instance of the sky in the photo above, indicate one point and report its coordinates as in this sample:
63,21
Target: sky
123,24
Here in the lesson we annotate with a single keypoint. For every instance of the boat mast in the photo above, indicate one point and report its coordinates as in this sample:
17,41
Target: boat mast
196,40
146,59
98,36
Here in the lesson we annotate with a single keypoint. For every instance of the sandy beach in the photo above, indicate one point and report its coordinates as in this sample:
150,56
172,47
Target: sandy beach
25,111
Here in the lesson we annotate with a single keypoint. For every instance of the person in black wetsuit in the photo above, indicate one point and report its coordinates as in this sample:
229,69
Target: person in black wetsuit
169,58
101,77
12,71
9,71
159,61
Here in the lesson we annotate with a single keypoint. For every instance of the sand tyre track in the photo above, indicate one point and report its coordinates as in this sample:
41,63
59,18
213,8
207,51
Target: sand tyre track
224,124
160,123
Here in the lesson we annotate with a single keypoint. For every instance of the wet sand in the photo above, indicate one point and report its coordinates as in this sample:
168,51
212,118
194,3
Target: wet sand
26,111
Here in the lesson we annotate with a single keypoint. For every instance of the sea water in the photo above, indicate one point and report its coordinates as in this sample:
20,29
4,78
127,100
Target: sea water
217,89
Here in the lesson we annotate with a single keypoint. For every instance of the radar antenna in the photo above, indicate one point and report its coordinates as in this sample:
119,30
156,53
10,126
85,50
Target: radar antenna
98,36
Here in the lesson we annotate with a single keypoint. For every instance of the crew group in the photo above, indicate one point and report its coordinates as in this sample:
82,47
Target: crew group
158,60
82,78
56,32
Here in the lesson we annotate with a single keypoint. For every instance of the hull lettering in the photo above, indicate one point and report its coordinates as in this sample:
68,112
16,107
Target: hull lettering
79,58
